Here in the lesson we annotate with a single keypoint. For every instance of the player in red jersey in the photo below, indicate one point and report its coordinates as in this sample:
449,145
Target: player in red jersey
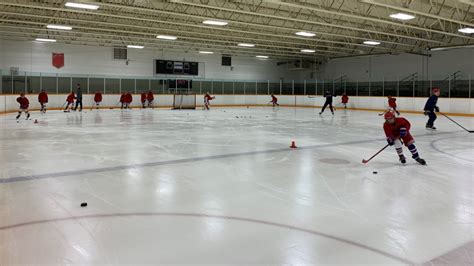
150,98
207,99
128,100
24,104
274,100
43,99
143,98
97,98
398,129
344,100
392,104
122,100
70,102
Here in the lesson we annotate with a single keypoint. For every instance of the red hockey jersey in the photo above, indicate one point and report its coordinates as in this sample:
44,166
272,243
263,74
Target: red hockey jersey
43,97
393,130
392,102
70,98
344,98
127,98
23,101
98,97
150,96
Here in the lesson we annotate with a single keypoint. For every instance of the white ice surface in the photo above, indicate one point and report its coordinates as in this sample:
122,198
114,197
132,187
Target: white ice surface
243,196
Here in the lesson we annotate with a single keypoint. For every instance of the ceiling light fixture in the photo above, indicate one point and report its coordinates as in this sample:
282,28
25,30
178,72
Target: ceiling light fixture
246,45
441,48
45,40
206,52
305,34
308,51
466,30
59,27
136,46
80,5
166,37
215,22
402,16
262,56
371,42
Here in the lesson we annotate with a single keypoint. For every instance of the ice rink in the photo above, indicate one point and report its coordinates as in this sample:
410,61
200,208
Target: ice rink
223,187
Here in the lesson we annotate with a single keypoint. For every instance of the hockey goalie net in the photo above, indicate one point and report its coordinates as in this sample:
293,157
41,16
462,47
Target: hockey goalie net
184,101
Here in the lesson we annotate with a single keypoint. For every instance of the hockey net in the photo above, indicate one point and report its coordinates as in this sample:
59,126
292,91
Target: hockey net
184,101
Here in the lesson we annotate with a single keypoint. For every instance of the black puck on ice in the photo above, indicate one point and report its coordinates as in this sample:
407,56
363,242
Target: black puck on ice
84,204
374,172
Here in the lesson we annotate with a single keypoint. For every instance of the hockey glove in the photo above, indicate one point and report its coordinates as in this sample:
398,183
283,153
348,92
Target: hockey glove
437,109
390,141
426,112
403,132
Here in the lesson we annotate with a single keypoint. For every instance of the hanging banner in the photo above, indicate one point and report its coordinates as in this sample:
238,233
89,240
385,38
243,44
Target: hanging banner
58,60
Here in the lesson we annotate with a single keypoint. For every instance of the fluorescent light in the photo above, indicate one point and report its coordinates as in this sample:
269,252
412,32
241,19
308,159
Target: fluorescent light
166,37
206,52
371,42
136,46
84,6
45,40
441,48
402,16
308,51
305,34
59,27
466,30
262,56
246,45
215,22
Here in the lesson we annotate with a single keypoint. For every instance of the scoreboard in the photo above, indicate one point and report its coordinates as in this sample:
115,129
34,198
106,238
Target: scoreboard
172,67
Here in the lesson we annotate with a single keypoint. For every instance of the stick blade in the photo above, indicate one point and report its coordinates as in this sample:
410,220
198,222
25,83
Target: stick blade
364,161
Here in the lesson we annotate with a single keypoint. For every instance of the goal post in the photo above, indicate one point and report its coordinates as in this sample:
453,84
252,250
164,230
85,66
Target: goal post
184,101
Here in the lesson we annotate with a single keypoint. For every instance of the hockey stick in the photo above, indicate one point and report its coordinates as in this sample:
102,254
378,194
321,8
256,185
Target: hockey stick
366,161
470,131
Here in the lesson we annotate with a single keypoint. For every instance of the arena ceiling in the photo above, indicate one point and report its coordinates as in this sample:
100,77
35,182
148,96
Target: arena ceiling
340,27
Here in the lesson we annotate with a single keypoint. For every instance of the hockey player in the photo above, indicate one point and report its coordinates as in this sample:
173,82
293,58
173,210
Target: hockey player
274,100
150,98
392,104
122,100
143,98
70,102
128,100
78,97
344,100
398,129
24,104
97,98
328,97
43,99
431,107
207,99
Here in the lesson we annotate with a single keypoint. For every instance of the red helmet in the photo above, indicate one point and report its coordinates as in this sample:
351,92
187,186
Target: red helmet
435,89
389,115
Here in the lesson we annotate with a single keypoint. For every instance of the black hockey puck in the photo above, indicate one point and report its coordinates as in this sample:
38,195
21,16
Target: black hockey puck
374,172
84,204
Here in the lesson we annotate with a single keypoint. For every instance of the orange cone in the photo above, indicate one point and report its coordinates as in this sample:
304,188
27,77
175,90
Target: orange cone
293,145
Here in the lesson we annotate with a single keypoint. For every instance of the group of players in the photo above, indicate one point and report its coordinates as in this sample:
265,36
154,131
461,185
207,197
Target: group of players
397,129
